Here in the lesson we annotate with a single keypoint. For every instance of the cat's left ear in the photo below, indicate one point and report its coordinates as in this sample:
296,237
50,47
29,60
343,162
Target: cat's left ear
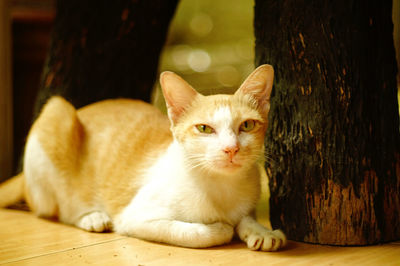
178,94
259,86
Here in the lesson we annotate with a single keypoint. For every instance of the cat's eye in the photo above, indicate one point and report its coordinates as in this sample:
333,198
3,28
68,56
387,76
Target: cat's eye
205,129
247,125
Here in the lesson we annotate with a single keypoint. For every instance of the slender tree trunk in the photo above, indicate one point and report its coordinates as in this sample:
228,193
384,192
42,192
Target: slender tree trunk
105,49
333,140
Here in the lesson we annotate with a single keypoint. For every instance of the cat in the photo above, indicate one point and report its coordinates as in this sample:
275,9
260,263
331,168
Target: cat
120,165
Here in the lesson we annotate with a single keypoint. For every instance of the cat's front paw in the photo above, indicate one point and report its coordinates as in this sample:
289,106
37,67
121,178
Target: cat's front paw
95,222
266,240
215,234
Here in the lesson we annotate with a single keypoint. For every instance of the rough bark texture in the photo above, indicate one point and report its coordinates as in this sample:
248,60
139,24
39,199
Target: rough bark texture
105,49
333,141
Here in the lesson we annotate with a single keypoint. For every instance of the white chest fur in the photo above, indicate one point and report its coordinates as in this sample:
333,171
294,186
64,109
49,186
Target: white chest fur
173,192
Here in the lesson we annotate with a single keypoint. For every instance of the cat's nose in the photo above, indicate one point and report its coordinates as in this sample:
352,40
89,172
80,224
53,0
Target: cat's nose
231,151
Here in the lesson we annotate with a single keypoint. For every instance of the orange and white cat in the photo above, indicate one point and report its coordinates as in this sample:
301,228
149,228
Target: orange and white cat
190,180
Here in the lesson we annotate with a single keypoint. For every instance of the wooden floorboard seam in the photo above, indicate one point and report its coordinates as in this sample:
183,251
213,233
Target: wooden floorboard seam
59,251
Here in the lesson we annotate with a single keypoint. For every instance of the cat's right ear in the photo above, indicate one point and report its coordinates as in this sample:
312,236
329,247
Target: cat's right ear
259,86
178,94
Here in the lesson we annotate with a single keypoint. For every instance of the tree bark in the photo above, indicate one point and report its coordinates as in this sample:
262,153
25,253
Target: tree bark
333,141
105,49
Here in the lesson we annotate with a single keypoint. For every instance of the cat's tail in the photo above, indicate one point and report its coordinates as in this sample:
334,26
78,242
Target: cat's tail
12,191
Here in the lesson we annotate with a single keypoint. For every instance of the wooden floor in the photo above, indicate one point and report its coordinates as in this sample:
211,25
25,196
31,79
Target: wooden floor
27,240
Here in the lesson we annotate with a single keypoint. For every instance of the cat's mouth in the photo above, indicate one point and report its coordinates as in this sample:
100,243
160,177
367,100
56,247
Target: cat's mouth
229,164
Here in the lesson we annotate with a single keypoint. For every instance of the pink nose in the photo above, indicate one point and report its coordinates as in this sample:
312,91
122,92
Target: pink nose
231,151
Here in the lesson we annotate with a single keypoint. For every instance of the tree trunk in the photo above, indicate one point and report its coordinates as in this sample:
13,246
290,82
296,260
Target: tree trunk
105,49
333,140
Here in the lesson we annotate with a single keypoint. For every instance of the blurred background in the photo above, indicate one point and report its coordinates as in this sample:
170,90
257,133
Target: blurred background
210,44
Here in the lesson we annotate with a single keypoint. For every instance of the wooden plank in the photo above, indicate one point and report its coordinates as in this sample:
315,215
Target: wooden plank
6,123
27,240
23,236
131,251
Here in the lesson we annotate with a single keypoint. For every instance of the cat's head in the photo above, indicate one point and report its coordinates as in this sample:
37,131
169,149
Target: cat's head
220,133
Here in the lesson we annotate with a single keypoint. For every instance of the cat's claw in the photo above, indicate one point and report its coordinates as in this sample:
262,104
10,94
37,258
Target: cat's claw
267,240
95,222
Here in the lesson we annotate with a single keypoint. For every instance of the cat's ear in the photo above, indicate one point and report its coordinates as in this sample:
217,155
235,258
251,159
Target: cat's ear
178,94
259,86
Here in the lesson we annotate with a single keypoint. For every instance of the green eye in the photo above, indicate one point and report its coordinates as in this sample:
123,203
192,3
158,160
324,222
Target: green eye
205,129
247,125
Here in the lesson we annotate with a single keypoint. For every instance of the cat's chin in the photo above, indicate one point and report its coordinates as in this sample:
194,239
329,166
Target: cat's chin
227,167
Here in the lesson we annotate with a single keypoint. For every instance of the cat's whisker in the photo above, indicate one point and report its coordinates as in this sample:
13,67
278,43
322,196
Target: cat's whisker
270,158
198,162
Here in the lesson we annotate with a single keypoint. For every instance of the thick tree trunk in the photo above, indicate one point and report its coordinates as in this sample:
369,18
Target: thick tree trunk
105,49
333,140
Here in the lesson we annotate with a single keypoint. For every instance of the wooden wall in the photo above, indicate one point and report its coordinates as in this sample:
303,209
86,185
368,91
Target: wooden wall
6,118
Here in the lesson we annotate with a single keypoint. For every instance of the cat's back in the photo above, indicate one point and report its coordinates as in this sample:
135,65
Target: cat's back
118,110
125,129
96,138
123,115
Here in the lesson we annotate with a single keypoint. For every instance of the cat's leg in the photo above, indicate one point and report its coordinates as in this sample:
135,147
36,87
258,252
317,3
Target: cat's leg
193,235
257,237
96,221
49,196
39,176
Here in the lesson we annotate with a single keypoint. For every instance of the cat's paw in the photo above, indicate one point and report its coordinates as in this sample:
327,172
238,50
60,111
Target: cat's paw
266,240
209,235
95,222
